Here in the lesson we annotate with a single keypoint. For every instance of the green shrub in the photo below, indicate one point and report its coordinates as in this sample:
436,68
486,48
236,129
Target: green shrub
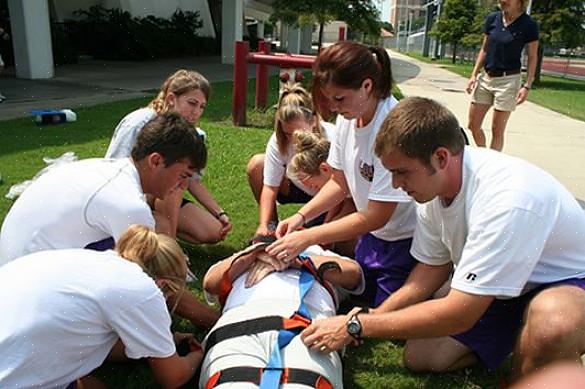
116,35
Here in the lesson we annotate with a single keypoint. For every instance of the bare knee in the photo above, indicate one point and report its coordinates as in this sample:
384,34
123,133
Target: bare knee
447,355
554,319
417,358
255,166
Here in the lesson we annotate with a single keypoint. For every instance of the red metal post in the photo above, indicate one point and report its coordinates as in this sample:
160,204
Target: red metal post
262,77
240,83
341,33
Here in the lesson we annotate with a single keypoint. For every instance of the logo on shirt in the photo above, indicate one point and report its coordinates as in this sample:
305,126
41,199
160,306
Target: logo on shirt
471,277
366,171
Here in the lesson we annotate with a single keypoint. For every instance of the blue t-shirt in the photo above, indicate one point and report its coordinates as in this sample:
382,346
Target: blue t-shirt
504,44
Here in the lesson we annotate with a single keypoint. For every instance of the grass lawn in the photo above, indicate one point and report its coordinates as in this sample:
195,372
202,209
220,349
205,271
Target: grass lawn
562,95
377,364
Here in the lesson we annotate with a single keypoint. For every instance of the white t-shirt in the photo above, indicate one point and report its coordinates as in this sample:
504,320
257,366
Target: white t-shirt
275,163
511,227
74,205
68,308
353,153
260,300
127,131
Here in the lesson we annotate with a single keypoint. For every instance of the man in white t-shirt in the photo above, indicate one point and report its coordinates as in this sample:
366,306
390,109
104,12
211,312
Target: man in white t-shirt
90,203
509,235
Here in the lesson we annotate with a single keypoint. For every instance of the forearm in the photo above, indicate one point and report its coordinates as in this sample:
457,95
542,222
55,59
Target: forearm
202,195
532,61
427,319
267,202
328,197
348,278
375,216
192,309
422,282
479,62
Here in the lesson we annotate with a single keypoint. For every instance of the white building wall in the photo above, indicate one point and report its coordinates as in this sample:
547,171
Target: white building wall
64,9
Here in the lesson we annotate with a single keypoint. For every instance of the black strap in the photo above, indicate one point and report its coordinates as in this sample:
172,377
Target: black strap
254,374
241,328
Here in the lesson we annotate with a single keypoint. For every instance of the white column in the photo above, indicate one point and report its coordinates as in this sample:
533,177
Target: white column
306,39
232,16
260,29
31,38
294,40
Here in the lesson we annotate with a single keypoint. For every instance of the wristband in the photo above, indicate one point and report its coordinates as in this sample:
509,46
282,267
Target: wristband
220,214
303,216
525,87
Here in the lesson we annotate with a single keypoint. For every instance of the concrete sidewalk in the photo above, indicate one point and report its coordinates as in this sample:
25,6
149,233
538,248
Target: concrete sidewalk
93,82
546,138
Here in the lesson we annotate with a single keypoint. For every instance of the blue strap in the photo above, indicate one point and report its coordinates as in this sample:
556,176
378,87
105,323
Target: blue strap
273,370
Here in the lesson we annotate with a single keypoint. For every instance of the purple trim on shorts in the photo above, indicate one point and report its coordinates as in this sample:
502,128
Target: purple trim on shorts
102,245
494,336
386,266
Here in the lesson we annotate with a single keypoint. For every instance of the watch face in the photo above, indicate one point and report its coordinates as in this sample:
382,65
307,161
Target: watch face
354,327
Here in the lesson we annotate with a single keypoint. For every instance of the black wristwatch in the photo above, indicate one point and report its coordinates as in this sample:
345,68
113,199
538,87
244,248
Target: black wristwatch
354,325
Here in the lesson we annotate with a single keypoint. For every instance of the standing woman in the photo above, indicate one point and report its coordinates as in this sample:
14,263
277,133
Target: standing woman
267,172
65,311
185,92
500,83
356,80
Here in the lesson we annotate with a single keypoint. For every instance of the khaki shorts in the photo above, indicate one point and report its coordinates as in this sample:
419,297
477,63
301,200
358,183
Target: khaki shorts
501,92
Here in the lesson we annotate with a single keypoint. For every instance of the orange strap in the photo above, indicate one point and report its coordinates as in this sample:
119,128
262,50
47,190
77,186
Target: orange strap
254,376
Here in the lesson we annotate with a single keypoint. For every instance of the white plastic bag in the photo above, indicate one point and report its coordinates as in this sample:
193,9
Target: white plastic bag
17,189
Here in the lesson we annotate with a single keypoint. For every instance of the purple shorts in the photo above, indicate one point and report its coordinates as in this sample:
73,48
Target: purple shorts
386,265
102,245
493,337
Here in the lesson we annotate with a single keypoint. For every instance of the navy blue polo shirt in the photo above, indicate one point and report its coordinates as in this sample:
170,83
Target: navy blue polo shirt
504,44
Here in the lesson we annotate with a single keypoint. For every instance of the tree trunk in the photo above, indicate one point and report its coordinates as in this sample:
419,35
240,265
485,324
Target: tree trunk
320,43
454,53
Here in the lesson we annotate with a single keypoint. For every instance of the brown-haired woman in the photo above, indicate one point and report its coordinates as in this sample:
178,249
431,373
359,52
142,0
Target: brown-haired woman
79,307
185,92
356,81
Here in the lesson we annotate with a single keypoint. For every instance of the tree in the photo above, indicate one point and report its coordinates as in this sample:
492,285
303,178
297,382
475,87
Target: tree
455,22
561,24
361,15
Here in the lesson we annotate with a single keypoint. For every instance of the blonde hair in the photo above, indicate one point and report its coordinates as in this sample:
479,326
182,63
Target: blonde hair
182,81
158,255
294,103
311,151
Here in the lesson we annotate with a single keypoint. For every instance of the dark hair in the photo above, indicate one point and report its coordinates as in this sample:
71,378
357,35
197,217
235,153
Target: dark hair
416,127
347,64
172,137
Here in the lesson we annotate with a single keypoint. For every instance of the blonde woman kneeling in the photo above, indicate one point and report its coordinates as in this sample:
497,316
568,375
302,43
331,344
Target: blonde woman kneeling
78,307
